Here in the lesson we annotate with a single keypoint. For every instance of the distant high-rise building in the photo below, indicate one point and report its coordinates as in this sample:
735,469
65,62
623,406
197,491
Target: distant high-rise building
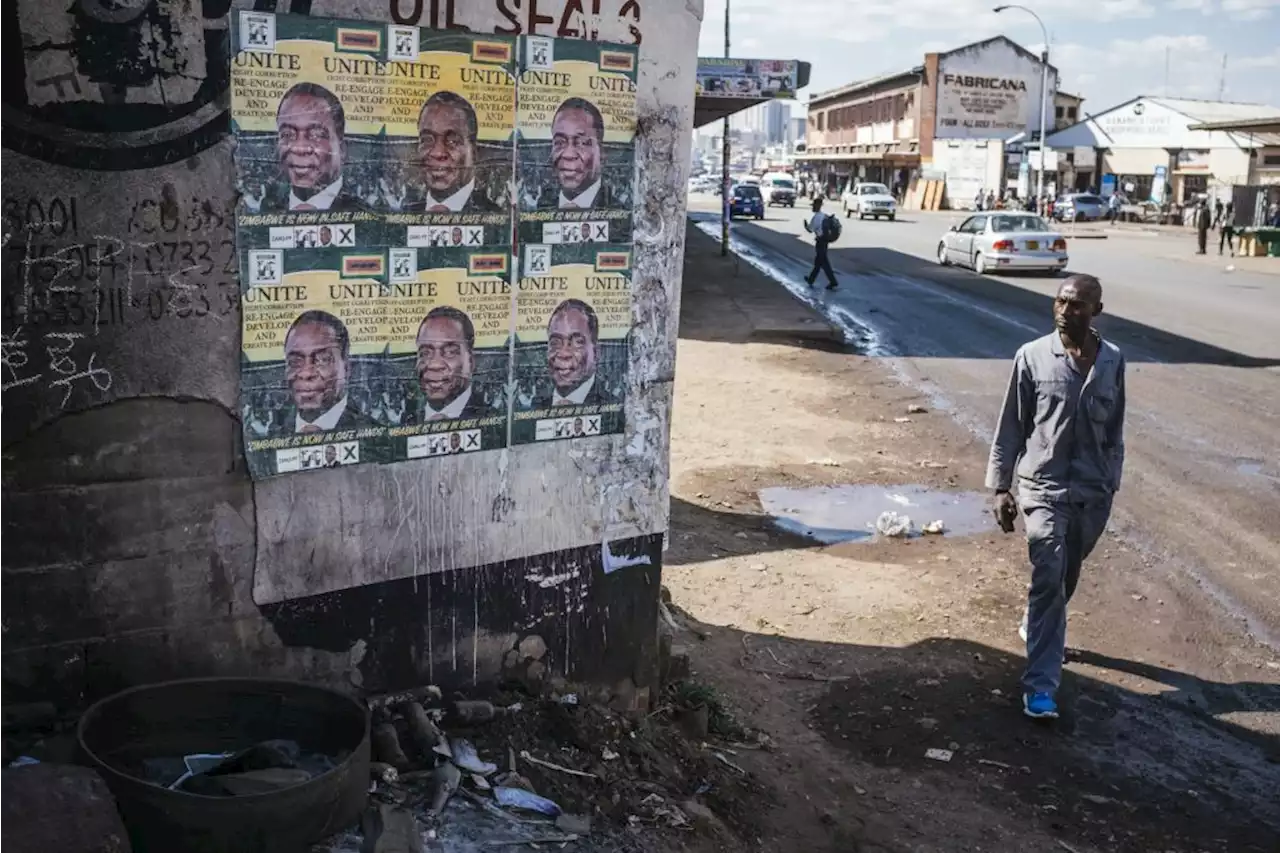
797,129
775,118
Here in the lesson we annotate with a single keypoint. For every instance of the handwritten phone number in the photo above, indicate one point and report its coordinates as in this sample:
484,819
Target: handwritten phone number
108,306
51,264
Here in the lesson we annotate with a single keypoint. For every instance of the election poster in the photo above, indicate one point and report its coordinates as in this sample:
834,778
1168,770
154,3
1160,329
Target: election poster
573,316
448,349
393,306
576,123
451,161
313,376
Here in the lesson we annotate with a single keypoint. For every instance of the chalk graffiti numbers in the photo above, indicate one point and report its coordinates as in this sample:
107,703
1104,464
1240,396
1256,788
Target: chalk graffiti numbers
59,346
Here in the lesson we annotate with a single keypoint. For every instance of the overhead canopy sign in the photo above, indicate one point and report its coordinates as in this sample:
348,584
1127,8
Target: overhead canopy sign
753,79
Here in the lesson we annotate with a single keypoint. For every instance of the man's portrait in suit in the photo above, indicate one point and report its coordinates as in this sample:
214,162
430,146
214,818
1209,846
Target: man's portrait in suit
577,158
310,150
317,361
447,154
573,355
446,361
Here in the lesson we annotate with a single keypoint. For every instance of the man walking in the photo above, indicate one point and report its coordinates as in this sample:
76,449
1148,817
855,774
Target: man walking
1227,229
1203,219
817,225
1061,437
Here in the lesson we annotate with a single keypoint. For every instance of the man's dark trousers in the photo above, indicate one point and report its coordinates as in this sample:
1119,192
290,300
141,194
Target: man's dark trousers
1202,235
821,262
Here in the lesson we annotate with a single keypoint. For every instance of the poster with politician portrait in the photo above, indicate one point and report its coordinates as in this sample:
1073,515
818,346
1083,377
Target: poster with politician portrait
573,317
451,157
312,365
449,349
575,120
310,103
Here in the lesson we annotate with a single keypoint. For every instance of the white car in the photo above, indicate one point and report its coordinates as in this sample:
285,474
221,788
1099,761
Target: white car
869,200
995,242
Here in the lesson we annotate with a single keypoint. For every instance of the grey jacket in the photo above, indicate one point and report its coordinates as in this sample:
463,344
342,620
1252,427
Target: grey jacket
1060,434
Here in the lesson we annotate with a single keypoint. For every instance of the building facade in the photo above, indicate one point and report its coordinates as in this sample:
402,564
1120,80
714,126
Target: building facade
947,118
1146,148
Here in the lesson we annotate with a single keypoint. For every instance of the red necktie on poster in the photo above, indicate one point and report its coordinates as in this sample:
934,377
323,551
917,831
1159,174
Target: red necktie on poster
438,416
305,206
438,208
310,429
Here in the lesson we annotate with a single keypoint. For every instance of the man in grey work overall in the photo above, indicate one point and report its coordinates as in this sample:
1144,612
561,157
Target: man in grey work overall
1061,436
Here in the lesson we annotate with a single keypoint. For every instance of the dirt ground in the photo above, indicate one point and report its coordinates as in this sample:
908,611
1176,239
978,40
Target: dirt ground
856,658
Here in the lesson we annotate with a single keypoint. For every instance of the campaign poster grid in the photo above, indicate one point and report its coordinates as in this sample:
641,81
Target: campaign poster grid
573,317
378,171
576,125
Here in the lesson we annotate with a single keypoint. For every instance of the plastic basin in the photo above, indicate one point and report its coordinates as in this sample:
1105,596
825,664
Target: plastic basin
177,718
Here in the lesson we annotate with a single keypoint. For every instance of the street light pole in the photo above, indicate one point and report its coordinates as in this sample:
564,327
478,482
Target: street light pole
724,157
1044,92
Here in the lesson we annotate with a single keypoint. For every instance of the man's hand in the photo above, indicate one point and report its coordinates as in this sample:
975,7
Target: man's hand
1006,510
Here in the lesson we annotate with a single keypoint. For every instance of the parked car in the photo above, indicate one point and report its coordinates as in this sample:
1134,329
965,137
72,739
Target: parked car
993,242
1079,207
779,188
746,200
869,200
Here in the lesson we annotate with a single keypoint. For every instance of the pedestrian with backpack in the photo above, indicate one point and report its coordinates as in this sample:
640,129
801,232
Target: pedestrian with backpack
825,229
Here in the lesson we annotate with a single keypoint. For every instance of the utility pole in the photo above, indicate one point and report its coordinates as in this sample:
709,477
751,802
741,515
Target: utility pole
1166,72
724,157
1044,93
1222,80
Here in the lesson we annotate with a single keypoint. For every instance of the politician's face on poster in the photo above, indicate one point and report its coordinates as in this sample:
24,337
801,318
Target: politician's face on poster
446,356
309,138
316,353
573,347
576,129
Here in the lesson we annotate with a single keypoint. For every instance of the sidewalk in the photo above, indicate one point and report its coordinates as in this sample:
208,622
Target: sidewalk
725,296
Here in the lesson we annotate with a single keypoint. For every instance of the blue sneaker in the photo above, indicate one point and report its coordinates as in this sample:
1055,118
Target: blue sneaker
1040,706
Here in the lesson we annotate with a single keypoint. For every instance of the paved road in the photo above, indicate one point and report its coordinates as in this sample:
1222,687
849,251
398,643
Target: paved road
1202,479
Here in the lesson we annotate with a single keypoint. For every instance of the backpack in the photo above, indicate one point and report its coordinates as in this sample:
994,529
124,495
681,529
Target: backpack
831,228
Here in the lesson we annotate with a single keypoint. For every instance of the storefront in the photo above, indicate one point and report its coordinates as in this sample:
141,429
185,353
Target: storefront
1147,149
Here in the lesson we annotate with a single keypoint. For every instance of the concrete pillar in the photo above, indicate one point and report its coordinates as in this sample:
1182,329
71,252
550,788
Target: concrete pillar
136,546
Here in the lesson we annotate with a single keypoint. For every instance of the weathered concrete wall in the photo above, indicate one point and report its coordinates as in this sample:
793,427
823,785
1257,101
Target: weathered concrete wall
132,532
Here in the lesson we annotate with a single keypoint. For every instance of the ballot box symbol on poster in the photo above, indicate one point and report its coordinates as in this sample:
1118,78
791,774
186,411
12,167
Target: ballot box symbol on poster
339,235
537,260
266,266
404,265
257,31
575,232
402,43
539,53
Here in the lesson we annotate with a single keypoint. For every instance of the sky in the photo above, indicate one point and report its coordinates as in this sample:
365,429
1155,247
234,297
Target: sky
1106,50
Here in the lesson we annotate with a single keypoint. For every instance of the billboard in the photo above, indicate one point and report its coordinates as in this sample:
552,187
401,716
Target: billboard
753,79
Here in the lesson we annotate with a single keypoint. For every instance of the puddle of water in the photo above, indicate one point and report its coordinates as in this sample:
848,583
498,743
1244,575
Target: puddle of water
831,514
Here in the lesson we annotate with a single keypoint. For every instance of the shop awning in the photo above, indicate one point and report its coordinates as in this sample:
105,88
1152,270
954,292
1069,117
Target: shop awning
1259,131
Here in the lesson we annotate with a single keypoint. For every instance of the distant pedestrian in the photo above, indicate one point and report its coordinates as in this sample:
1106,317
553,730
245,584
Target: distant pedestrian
1113,207
1227,229
817,225
978,200
1202,219
991,200
1060,438
1217,213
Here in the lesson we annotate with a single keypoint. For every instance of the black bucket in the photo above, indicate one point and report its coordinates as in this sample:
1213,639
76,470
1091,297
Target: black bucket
209,715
